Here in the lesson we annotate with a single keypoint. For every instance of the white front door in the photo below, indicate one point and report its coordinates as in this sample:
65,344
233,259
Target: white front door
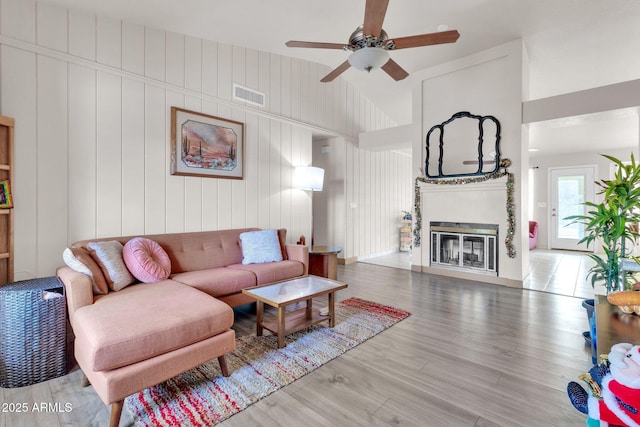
570,188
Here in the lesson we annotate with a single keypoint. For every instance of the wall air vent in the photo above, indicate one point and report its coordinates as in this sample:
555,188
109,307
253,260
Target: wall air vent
251,96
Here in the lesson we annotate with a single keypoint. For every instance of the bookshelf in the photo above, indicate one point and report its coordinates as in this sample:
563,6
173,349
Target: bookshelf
6,215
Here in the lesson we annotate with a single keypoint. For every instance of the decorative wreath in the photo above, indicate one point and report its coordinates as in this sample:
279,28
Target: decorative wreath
511,209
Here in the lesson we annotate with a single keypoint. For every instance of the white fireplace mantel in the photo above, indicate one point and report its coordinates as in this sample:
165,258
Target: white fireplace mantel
499,184
477,202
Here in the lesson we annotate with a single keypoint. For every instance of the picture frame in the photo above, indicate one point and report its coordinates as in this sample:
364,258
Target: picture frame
6,201
206,146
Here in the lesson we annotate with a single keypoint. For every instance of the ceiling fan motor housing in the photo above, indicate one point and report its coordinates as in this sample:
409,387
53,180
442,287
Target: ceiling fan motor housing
359,40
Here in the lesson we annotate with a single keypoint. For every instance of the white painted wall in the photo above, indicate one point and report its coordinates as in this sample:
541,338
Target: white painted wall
364,195
399,137
490,82
380,187
594,100
542,164
584,54
91,97
329,204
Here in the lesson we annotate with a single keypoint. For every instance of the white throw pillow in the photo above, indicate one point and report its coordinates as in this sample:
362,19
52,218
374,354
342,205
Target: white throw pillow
71,261
81,261
260,246
108,255
75,264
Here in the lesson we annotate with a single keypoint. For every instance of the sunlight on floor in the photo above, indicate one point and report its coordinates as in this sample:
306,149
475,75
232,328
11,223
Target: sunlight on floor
559,272
400,260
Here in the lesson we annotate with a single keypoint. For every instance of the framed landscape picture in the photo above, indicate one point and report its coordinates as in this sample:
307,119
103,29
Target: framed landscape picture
208,146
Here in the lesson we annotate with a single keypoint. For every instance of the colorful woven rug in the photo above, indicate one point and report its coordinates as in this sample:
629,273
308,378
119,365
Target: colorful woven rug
203,397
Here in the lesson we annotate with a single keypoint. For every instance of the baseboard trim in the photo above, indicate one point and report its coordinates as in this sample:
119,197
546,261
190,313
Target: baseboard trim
511,283
347,261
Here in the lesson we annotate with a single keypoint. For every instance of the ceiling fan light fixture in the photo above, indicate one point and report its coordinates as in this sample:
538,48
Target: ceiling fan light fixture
369,58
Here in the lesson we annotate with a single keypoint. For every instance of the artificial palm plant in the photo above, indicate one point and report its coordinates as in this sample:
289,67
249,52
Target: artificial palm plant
613,222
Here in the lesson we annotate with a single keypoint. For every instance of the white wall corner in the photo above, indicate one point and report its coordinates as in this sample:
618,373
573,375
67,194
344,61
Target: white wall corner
387,139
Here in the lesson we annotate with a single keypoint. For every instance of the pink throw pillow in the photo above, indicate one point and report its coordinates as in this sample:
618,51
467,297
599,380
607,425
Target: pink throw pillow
146,260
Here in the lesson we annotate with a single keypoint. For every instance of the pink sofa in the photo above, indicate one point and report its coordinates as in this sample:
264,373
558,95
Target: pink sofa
533,234
144,334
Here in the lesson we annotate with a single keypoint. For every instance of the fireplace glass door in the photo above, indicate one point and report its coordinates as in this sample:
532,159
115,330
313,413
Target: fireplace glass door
464,251
450,249
473,251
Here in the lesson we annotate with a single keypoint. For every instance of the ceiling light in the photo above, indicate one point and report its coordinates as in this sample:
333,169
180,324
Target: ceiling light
533,150
443,27
369,58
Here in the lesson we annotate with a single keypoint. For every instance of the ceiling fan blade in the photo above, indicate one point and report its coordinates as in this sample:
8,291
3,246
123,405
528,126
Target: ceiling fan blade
317,45
336,72
394,70
427,39
374,16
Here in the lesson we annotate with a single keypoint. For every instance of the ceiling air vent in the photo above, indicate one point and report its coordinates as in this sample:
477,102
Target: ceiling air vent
248,95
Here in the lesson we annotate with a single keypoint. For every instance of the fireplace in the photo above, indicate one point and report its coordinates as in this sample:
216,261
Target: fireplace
465,246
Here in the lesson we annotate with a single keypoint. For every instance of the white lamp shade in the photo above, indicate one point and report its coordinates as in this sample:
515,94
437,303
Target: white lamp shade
369,58
308,178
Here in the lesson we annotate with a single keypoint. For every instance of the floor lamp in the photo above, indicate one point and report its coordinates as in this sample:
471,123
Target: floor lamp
309,178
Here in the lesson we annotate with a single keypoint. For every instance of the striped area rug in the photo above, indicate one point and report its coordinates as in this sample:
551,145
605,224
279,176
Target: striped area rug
203,397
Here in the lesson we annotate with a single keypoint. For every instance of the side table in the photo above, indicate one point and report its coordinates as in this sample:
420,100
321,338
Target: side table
33,331
613,326
323,261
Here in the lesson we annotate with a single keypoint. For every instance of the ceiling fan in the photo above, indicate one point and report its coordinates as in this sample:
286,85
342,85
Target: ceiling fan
370,44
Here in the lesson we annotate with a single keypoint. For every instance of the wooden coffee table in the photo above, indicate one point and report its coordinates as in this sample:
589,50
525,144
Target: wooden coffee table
282,294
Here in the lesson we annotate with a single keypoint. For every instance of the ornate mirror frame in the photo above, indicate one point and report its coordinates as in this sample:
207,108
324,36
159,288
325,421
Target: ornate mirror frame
481,161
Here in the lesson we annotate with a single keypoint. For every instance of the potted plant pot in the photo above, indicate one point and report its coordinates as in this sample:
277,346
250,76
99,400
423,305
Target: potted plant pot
589,306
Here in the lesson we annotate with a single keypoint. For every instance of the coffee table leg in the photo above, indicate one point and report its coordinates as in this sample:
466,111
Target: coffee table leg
332,311
309,308
259,317
281,331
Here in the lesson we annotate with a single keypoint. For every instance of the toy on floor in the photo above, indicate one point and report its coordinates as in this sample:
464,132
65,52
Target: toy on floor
614,389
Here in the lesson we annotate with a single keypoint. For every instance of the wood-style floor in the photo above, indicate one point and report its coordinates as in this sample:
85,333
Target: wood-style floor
471,354
555,271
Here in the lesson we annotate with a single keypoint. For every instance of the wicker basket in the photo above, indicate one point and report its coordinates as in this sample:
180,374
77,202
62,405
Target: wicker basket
32,332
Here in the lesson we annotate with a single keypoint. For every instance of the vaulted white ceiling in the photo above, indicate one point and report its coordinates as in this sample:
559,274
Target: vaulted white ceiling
572,44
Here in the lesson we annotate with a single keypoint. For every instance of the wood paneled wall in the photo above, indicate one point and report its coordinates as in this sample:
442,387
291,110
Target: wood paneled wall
91,97
380,183
364,195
